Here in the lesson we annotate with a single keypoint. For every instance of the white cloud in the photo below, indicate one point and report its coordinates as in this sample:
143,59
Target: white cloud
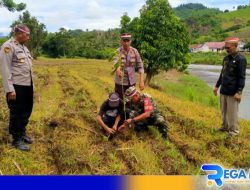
91,14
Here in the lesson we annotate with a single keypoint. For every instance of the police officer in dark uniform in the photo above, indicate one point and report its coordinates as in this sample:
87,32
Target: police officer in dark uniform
16,67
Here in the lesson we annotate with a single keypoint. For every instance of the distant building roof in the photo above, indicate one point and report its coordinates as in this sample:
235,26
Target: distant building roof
195,46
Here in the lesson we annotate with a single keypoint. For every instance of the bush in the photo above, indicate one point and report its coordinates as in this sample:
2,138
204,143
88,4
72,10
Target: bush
233,28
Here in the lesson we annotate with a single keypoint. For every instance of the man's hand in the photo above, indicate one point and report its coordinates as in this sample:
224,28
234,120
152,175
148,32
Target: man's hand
110,130
237,97
12,96
114,127
128,121
119,72
142,86
121,127
215,91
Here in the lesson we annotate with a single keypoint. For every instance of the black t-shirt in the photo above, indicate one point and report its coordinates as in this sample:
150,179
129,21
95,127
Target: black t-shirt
110,111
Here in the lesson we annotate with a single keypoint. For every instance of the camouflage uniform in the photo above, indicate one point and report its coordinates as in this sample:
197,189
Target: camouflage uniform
156,118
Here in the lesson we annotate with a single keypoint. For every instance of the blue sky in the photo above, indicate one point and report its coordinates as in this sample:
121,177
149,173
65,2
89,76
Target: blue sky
92,14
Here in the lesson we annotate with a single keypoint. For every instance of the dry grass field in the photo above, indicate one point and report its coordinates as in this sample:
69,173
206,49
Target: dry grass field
68,139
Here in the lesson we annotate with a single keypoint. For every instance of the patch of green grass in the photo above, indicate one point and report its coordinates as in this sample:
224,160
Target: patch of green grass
188,88
211,58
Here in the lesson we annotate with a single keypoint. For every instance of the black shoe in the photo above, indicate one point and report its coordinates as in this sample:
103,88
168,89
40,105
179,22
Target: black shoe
139,128
165,136
19,144
26,139
222,130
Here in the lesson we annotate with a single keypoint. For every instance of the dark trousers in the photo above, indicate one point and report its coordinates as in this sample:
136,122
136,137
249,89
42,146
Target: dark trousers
20,110
118,89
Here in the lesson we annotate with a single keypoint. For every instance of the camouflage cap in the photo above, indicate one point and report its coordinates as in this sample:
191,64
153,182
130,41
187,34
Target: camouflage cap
130,92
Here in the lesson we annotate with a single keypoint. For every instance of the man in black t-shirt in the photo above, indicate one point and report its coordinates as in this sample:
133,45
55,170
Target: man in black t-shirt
109,116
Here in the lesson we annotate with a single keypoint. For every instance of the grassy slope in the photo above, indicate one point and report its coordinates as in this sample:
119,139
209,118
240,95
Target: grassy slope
212,58
69,141
243,33
241,16
186,87
238,17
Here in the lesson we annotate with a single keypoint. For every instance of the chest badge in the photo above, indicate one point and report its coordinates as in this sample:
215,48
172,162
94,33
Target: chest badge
21,61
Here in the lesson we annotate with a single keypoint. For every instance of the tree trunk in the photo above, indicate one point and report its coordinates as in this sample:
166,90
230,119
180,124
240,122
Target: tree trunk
148,78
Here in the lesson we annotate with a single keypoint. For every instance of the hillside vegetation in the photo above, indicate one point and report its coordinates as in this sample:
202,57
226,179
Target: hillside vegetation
211,24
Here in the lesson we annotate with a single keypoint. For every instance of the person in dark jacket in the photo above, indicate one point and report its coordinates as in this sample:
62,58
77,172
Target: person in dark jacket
231,83
110,114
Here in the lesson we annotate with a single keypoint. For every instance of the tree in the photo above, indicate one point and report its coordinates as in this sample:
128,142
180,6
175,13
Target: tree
37,32
60,44
161,38
92,44
66,43
125,20
50,46
12,6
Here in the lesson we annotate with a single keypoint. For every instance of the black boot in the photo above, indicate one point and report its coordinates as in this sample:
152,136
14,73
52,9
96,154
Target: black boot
163,129
26,139
19,144
164,136
139,128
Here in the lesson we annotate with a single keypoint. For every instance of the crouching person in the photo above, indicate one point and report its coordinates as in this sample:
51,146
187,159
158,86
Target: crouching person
142,111
110,114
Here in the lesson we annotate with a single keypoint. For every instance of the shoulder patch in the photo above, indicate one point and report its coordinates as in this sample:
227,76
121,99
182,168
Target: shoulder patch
148,107
7,49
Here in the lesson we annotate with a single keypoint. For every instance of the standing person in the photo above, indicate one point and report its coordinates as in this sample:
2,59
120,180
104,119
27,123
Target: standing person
131,61
16,64
232,82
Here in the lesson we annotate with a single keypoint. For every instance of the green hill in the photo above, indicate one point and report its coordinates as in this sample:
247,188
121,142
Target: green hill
211,24
185,11
236,23
239,17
